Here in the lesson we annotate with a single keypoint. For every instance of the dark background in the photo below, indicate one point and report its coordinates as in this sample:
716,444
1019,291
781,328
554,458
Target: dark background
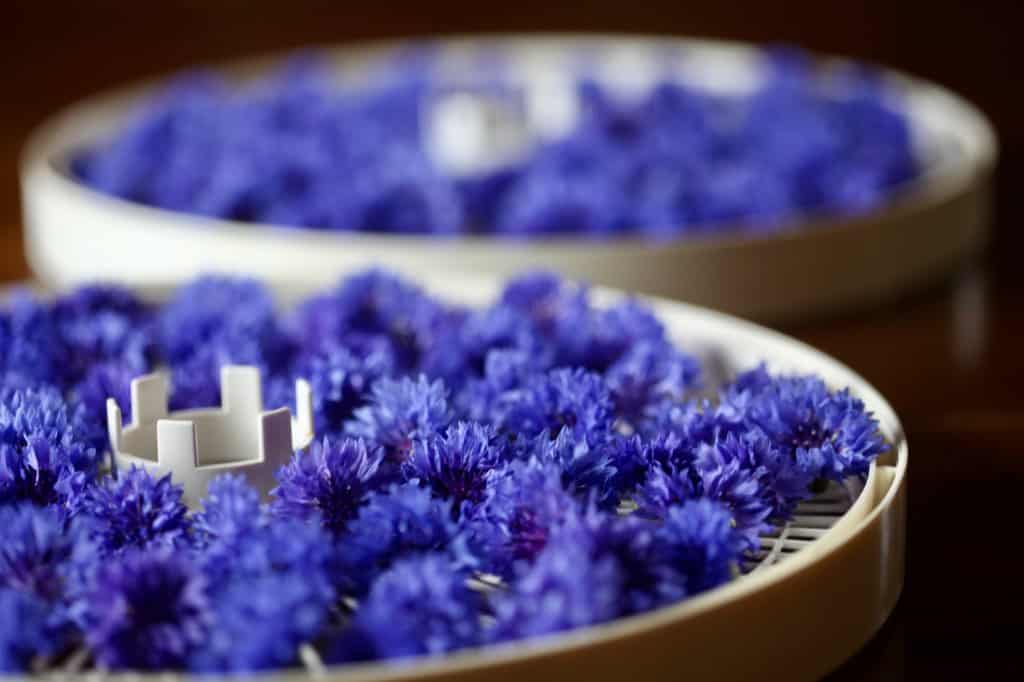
951,360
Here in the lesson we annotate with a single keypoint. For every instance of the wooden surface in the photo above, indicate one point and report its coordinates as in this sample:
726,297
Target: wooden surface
951,360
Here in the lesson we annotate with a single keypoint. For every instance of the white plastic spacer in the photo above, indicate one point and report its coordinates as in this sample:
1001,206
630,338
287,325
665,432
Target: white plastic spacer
194,446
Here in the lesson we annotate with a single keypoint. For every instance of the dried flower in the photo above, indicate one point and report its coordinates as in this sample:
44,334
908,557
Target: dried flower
146,611
330,481
135,510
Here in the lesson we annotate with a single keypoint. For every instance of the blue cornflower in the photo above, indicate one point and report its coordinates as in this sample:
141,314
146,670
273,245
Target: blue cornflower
728,473
400,411
146,611
401,521
103,323
786,478
44,453
566,588
135,510
665,487
231,317
573,399
695,422
536,292
497,328
648,373
648,578
422,605
632,458
331,480
272,596
100,382
195,381
585,464
40,552
596,338
547,299
29,343
368,305
829,433
260,623
26,631
550,201
525,504
668,450
341,381
230,510
457,466
700,542
504,371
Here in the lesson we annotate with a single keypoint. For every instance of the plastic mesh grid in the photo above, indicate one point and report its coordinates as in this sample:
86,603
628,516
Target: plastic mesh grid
812,519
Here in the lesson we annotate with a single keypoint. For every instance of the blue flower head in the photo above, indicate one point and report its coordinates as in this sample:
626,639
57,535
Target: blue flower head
585,463
504,371
100,382
564,589
831,433
422,605
547,299
665,487
135,510
260,623
29,343
26,631
44,453
330,481
650,580
146,611
573,399
648,577
373,304
228,317
550,201
456,466
596,339
272,596
230,511
40,552
695,422
400,411
401,521
525,504
497,328
729,473
700,542
648,373
101,323
195,381
340,381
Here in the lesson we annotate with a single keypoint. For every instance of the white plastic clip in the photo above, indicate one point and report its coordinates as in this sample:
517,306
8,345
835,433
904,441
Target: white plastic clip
196,445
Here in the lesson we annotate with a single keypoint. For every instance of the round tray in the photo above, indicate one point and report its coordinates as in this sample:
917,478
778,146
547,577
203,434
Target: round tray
816,264
820,588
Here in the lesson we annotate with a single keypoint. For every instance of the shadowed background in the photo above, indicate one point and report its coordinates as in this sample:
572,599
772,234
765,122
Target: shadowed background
950,359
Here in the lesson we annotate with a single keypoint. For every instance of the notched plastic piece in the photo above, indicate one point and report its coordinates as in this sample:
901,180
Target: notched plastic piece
196,445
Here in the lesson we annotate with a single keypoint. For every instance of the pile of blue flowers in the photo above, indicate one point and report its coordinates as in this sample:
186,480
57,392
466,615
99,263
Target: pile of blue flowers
480,475
299,151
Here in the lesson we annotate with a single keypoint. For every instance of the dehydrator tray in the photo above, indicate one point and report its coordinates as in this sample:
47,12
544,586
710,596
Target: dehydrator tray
813,264
817,590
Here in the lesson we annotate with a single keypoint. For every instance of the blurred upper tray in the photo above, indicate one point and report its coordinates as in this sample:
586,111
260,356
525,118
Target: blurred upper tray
815,265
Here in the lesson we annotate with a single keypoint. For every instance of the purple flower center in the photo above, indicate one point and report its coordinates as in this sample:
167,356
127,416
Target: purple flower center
528,537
